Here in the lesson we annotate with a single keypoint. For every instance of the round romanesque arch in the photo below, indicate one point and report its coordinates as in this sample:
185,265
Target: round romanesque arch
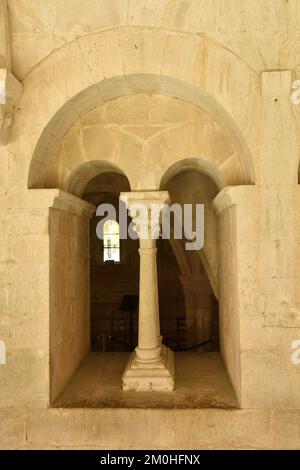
104,66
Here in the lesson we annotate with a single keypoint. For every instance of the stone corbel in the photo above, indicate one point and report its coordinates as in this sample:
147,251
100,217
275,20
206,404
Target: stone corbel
10,94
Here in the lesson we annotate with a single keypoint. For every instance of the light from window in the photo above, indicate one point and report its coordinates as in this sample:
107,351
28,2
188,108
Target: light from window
111,241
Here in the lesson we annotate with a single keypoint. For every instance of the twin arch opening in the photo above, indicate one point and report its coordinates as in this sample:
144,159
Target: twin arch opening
81,175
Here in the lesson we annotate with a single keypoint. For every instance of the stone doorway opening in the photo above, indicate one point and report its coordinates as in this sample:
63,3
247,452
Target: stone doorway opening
198,269
114,269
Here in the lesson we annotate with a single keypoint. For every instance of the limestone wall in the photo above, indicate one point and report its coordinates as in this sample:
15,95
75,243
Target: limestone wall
69,296
145,428
257,35
205,80
24,294
269,314
230,342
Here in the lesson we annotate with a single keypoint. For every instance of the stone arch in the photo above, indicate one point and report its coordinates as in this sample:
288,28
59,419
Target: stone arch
114,67
64,119
85,172
208,168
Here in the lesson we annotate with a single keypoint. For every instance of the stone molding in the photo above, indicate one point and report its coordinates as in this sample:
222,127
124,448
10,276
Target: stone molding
47,198
233,196
67,202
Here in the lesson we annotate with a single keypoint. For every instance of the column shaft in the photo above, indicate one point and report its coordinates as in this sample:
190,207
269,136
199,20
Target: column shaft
148,344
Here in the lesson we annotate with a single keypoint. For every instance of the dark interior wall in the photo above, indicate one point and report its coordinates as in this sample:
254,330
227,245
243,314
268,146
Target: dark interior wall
109,283
171,296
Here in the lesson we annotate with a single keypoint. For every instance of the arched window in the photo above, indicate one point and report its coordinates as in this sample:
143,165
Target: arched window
111,241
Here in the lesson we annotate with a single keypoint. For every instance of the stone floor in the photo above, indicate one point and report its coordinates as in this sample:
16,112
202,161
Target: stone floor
201,382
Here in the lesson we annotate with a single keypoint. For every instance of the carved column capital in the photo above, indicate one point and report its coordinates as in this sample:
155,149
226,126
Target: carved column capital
145,208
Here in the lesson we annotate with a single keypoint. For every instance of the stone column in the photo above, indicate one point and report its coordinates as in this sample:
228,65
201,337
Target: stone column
148,349
151,366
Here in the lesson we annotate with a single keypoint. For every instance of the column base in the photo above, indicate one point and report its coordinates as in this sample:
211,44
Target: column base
159,377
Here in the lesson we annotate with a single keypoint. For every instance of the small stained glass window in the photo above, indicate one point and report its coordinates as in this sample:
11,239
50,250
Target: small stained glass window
111,241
